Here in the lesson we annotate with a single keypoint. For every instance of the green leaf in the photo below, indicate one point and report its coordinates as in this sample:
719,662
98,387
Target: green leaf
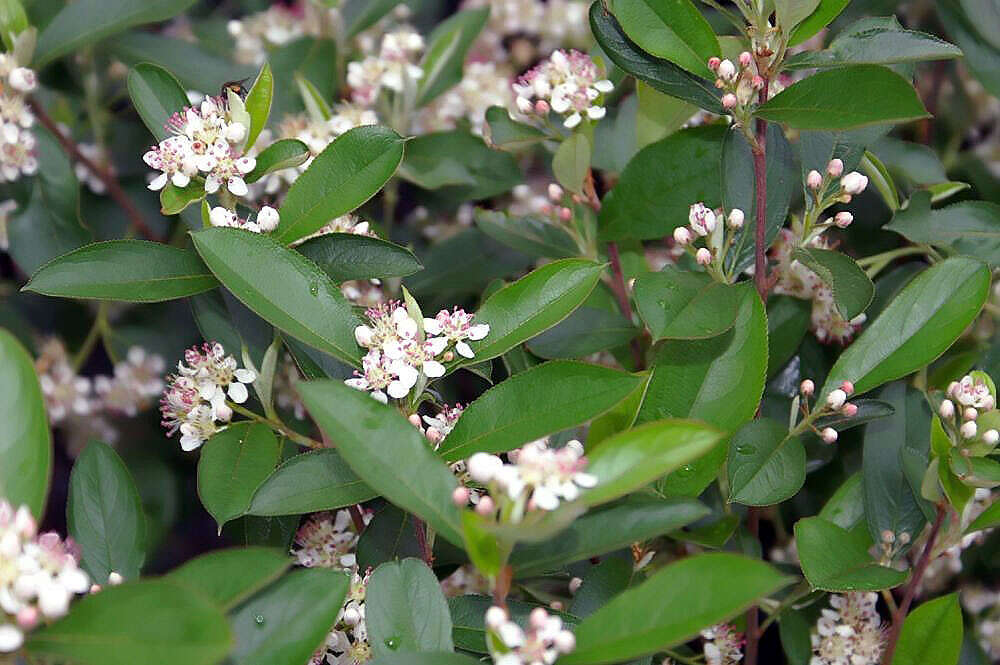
232,464
533,304
876,41
844,98
819,19
174,199
881,181
125,270
660,74
718,380
258,104
660,183
788,320
507,133
389,536
282,287
404,604
890,504
636,519
459,166
571,162
360,15
25,438
195,66
535,236
932,633
447,47
969,227
766,465
658,115
670,29
104,515
353,421
676,304
287,621
348,172
915,163
980,48
987,519
852,290
82,23
282,154
846,508
586,331
627,461
346,256
230,576
510,414
835,560
792,12
307,483
671,607
916,327
13,21
152,621
156,95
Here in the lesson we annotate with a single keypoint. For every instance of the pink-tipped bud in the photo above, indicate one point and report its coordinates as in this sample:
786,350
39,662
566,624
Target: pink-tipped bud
757,82
27,617
574,584
988,403
564,641
115,578
703,256
947,409
847,387
814,180
843,219
807,387
414,420
829,435
565,214
727,70
729,100
460,496
854,183
713,63
448,356
433,435
542,107
836,399
495,617
94,588
850,410
835,168
485,506
968,429
991,436
888,537
538,618
555,192
736,218
681,235
953,388
746,59
970,414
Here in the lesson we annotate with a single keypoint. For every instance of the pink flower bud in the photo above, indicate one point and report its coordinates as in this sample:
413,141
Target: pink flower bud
433,435
847,387
835,168
968,429
713,63
736,218
814,180
574,584
703,256
729,100
27,617
565,214
460,496
485,506
94,588
495,617
757,82
727,70
564,641
849,410
538,618
970,414
829,435
854,183
681,235
843,219
555,192
541,107
448,356
745,59
807,387
947,409
953,388
414,420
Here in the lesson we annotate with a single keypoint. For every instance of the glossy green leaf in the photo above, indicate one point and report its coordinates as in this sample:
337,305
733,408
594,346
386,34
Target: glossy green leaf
852,290
507,133
197,67
511,414
916,327
671,606
788,320
258,104
641,207
535,236
85,22
290,619
152,621
792,12
835,560
670,29
846,508
230,576
819,19
13,21
880,180
346,256
362,14
932,633
447,47
979,47
353,420
351,170
282,154
231,466
156,95
636,519
987,519
389,536
533,304
685,305
459,166
125,270
845,98
969,227
404,604
586,331
282,287
25,438
571,163
174,199
766,465
660,74
307,483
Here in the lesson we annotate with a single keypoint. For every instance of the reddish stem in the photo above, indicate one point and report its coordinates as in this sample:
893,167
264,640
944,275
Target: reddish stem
110,182
760,185
357,518
420,529
753,616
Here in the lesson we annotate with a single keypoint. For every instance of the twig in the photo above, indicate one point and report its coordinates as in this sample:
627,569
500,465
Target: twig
110,181
760,181
420,529
357,517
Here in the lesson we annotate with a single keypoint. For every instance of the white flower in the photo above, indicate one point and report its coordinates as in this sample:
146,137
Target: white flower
267,219
972,392
136,380
455,327
723,645
850,633
64,391
702,219
568,84
540,643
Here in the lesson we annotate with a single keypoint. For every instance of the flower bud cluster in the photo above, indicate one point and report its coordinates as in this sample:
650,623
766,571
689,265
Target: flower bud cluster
206,140
39,575
568,84
256,33
739,82
836,404
536,477
440,426
718,230
194,401
394,68
266,221
347,643
17,143
544,640
723,645
850,632
965,401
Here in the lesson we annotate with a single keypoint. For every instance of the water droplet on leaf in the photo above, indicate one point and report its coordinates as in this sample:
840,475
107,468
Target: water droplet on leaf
259,619
746,449
392,643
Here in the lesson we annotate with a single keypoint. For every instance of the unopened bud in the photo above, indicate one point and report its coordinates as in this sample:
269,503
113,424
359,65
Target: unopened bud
836,398
947,409
713,63
414,420
564,641
847,387
727,70
970,414
745,59
681,235
460,496
988,403
495,617
27,617
850,410
807,387
703,256
904,538
736,218
729,100
814,180
565,214
541,107
448,356
888,537
574,584
115,578
843,219
757,82
555,192
968,429
835,168
829,435
854,183
991,436
953,388
485,506
94,588
433,435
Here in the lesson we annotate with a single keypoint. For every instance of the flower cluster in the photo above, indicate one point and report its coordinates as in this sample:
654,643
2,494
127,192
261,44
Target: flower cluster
266,221
440,426
850,633
836,404
205,140
400,349
17,143
567,83
393,68
98,155
536,477
483,85
39,575
703,222
137,380
195,398
517,31
966,400
541,644
723,645
256,33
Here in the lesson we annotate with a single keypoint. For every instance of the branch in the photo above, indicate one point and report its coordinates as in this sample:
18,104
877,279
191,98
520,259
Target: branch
760,181
110,182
